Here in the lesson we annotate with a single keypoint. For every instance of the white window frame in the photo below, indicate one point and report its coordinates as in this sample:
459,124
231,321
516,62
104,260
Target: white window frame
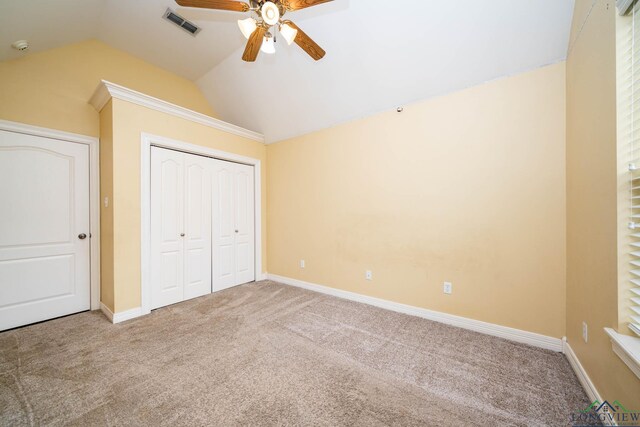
627,347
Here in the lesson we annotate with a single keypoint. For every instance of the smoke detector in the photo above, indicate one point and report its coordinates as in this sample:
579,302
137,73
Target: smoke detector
20,45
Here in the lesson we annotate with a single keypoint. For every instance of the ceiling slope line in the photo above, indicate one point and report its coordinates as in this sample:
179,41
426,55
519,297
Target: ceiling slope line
411,102
584,22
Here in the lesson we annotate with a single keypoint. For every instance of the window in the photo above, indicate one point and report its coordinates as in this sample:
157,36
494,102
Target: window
629,128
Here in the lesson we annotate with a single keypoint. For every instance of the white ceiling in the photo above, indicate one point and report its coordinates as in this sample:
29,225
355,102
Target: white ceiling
135,26
380,53
379,57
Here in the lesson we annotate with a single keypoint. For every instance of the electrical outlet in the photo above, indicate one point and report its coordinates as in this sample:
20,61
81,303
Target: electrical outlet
585,332
368,275
447,288
302,264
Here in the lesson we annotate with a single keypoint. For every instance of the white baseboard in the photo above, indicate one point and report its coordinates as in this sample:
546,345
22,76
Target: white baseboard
582,375
531,338
121,316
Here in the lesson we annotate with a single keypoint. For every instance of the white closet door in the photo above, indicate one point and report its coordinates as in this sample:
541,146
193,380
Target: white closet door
167,242
233,225
244,230
44,229
197,226
223,225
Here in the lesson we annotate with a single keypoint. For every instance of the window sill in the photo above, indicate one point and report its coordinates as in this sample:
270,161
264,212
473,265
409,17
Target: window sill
627,348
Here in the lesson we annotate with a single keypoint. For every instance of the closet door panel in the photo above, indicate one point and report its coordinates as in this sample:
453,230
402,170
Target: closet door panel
197,226
244,217
167,246
223,225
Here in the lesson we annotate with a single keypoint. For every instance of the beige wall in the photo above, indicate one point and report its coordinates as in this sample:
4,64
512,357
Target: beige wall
52,88
467,188
106,213
592,281
129,121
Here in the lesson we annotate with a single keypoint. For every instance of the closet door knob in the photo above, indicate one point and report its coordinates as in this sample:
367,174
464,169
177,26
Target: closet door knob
181,234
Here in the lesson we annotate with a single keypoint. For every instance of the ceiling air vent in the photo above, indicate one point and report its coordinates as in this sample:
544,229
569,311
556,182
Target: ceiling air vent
189,27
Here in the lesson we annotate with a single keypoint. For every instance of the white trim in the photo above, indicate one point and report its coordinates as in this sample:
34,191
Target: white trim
627,348
512,334
46,132
122,316
107,90
148,140
582,375
94,190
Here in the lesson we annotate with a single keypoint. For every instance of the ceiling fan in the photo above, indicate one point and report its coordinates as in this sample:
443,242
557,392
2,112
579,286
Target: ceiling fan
261,30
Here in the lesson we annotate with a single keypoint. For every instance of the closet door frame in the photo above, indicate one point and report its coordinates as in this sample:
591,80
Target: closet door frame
148,140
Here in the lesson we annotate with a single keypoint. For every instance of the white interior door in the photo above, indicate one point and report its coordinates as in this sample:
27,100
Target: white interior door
233,224
245,224
197,226
44,229
223,226
167,242
180,226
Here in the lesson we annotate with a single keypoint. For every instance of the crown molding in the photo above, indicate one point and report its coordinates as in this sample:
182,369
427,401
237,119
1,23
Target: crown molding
107,90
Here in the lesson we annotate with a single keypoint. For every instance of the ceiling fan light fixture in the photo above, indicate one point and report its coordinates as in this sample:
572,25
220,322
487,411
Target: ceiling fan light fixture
247,26
288,32
268,46
270,13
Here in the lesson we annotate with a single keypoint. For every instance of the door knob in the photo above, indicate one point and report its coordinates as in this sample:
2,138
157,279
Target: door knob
236,231
82,236
181,234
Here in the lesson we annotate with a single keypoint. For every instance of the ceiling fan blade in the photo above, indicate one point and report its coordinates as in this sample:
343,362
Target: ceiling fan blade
253,45
216,4
302,4
307,44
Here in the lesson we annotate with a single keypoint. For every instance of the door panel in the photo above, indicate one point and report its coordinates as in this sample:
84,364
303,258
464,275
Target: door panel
223,225
170,269
245,246
44,194
233,219
197,226
167,246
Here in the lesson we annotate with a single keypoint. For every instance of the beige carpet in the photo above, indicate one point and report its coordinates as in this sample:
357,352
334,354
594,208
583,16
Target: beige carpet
269,354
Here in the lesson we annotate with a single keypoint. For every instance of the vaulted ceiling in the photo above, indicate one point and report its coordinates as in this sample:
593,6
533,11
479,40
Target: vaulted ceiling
380,53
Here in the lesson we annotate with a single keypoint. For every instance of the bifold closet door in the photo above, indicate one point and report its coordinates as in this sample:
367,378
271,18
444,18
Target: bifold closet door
180,226
233,224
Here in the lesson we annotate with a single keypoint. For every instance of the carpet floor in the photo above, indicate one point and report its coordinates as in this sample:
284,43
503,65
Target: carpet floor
270,354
